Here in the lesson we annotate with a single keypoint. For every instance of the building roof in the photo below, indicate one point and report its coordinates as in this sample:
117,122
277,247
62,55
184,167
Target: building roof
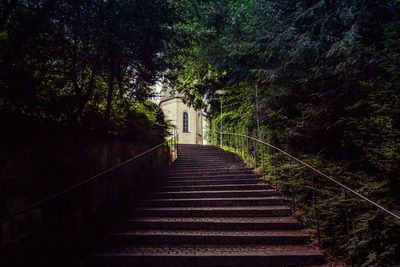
167,93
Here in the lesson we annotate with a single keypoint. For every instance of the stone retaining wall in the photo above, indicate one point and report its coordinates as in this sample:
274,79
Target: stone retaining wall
68,226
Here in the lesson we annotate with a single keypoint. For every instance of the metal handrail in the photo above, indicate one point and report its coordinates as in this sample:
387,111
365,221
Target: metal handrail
321,173
75,186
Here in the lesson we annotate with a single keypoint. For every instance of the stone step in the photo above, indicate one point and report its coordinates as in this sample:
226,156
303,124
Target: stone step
206,168
197,173
203,163
212,237
215,194
210,170
204,155
196,153
211,211
217,187
250,211
208,161
214,182
207,172
203,166
209,255
208,158
214,177
209,223
212,202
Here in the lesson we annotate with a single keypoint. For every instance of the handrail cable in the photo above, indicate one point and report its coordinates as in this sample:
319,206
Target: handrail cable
321,173
70,188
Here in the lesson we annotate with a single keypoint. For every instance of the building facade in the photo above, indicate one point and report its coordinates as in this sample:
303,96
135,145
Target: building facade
187,120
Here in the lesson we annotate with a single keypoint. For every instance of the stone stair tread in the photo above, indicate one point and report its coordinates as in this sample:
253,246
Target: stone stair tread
192,168
213,201
216,199
210,186
196,171
217,208
232,168
211,250
216,180
214,176
214,194
205,233
216,191
287,219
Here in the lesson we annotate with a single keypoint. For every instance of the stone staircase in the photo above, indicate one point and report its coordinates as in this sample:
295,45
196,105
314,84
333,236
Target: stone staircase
212,211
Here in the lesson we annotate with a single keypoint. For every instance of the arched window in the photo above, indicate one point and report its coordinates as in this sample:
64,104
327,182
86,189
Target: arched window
185,122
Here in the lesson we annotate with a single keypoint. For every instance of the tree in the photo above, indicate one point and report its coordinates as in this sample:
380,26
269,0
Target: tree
327,74
61,59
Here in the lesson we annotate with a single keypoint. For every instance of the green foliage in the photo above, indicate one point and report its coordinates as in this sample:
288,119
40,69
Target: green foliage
82,62
315,78
156,117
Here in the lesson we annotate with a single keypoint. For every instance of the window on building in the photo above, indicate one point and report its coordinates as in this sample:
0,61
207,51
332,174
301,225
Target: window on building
185,122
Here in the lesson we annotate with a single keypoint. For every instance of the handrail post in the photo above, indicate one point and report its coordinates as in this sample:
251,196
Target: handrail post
230,140
242,141
346,211
234,141
221,143
255,154
173,143
240,144
221,121
239,150
247,146
315,208
170,151
237,142
173,146
274,170
176,143
214,141
291,185
262,159
244,146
